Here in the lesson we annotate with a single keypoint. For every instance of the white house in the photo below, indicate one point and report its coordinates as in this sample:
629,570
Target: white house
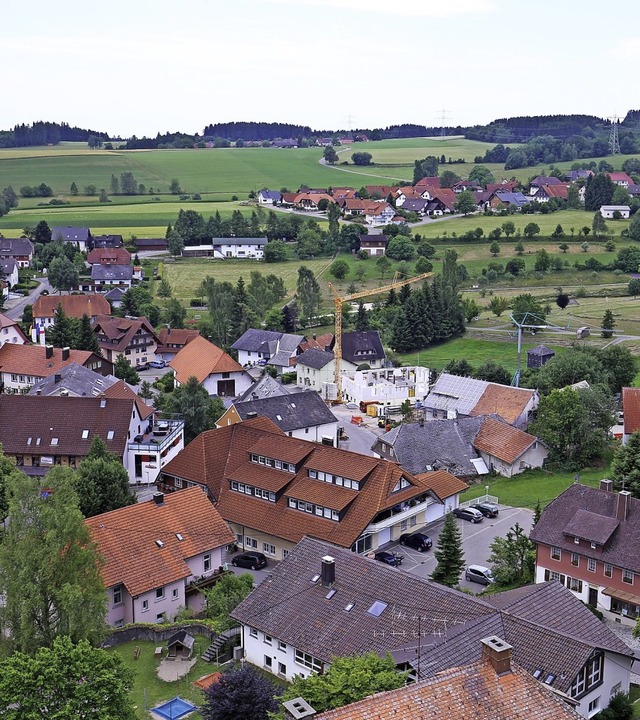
268,347
10,332
269,197
155,551
387,387
607,211
10,269
314,369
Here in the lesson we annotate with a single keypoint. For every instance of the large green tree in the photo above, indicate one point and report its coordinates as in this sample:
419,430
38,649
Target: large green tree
63,332
224,597
465,203
66,681
62,274
86,337
308,291
123,370
449,553
241,694
598,192
513,557
625,467
175,243
199,410
49,569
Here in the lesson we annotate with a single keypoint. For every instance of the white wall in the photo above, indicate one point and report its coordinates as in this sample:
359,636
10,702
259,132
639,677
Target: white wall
243,382
311,378
616,670
315,433
256,649
10,335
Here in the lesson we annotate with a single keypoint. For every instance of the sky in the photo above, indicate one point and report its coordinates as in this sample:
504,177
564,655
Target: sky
147,66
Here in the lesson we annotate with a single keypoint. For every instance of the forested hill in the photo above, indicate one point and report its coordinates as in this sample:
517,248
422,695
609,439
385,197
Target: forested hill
46,133
522,129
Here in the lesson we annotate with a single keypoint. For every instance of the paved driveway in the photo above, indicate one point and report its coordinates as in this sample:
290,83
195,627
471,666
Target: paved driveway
476,538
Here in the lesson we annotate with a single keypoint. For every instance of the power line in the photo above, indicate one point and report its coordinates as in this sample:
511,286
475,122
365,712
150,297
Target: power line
443,115
614,140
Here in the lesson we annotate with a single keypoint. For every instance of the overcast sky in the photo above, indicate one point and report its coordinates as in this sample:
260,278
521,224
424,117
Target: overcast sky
147,66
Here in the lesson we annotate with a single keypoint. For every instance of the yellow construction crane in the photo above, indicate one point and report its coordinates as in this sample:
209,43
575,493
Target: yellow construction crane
337,347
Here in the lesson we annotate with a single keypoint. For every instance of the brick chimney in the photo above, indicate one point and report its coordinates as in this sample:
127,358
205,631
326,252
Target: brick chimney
48,351
298,709
606,485
65,353
328,571
497,653
624,497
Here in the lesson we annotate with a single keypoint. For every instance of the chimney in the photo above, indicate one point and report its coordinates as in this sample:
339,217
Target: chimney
158,498
328,573
297,709
606,485
48,351
497,653
65,353
623,504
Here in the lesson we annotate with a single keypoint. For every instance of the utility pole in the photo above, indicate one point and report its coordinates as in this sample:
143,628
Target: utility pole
443,115
614,140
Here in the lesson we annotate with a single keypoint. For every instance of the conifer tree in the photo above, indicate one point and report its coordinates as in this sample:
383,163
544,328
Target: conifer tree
449,553
87,339
62,332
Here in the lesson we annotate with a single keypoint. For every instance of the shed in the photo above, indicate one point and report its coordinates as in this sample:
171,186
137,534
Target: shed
539,356
180,645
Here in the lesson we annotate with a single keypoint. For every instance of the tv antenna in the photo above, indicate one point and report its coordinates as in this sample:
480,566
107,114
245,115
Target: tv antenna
443,115
614,140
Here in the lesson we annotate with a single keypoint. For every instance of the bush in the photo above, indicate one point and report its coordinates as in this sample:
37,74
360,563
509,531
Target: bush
197,302
581,292
289,378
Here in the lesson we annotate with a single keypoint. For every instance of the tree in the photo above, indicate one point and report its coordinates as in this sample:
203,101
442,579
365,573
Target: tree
481,174
42,233
401,248
146,391
607,325
81,682
526,308
63,331
123,371
598,191
174,187
164,288
339,269
347,680
191,227
7,470
102,483
86,337
585,246
492,372
628,259
174,314
564,247
240,694
633,288
599,226
175,243
448,179
224,597
531,230
495,248
513,557
470,309
384,266
49,569
62,274
361,158
73,189
515,266
308,291
275,251
449,553
573,198
330,155
459,367
519,248
198,409
562,300
543,261
634,227
509,228
115,185
621,707
558,232
625,466
104,198
498,305
362,318
465,203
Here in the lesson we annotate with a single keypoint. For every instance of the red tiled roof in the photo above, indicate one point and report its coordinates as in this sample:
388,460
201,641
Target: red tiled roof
168,337
507,402
443,483
126,539
503,441
32,359
201,358
122,330
115,256
74,306
631,408
559,191
120,389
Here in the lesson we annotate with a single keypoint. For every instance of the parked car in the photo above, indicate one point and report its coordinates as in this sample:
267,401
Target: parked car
142,366
468,513
253,560
488,509
157,364
389,558
418,541
479,574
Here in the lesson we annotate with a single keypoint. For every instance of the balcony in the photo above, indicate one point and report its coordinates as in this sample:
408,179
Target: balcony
158,438
398,513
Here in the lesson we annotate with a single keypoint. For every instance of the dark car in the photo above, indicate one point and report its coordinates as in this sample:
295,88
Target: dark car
142,366
389,558
488,509
468,513
253,560
417,541
157,364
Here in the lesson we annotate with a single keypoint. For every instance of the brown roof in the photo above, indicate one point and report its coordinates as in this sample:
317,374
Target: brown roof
54,425
32,360
111,256
443,483
7,322
169,339
120,331
126,539
503,441
473,691
507,402
559,191
73,305
217,456
201,359
120,389
631,408
320,342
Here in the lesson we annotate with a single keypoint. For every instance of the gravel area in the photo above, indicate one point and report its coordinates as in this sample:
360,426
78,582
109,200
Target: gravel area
625,633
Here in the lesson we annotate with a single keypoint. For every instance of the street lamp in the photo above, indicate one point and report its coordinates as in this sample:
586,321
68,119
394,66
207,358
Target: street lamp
486,494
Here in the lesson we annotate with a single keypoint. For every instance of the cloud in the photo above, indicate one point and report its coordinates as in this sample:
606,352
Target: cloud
422,8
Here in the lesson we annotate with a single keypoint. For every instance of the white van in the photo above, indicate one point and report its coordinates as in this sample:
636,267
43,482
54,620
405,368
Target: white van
479,574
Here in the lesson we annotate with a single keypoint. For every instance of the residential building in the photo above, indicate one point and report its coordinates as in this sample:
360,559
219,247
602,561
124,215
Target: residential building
388,387
314,370
21,366
631,412
452,396
18,249
621,178
268,347
323,342
541,181
416,205
301,415
171,341
273,489
362,347
500,199
466,185
269,197
465,447
74,380
74,306
588,539
221,248
509,692
134,338
608,212
265,387
548,192
374,245
340,603
158,555
213,368
106,277
109,256
9,272
105,241
378,213
11,332
114,296
78,236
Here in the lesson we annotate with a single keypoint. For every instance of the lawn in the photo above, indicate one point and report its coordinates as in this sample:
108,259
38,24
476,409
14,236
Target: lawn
148,690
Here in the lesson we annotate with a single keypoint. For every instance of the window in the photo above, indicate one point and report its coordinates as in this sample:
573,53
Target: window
282,669
206,562
308,661
174,594
555,576
588,677
85,434
159,593
556,553
268,548
615,689
145,605
627,577
377,608
282,646
268,639
592,565
177,482
268,662
575,559
574,584
403,525
253,632
285,553
54,441
576,540
110,434
117,595
608,570
362,544
251,542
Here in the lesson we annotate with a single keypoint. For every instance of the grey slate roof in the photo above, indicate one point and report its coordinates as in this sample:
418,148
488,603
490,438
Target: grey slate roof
8,265
115,294
239,241
540,350
438,445
415,205
71,234
557,520
76,379
111,272
271,195
264,387
546,625
15,246
513,198
289,412
253,340
361,347
315,358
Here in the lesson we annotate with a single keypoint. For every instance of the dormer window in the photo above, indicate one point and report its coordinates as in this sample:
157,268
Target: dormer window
401,484
576,540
